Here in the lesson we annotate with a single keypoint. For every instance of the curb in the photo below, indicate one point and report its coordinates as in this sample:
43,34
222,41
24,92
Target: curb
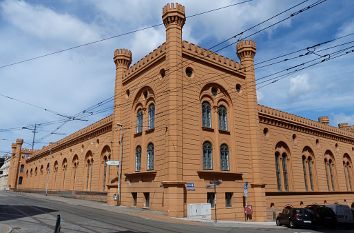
5,228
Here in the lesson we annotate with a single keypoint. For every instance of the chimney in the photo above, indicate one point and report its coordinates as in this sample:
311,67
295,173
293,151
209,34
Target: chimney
324,120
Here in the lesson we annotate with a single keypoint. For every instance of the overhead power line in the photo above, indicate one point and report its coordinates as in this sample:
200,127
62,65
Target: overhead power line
303,66
87,112
115,36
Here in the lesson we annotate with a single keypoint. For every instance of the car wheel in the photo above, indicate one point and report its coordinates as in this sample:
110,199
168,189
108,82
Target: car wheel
291,224
277,222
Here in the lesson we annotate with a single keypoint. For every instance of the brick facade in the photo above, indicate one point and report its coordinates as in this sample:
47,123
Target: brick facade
179,91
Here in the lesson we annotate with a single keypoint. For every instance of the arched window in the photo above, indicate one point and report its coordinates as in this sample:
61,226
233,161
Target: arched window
310,164
20,179
277,171
305,171
151,123
224,157
206,114
330,170
139,121
138,158
222,112
207,156
348,172
285,171
75,163
308,168
89,165
22,167
150,157
64,166
282,161
105,156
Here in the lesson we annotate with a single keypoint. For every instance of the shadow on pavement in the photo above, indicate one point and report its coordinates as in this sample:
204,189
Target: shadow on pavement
10,212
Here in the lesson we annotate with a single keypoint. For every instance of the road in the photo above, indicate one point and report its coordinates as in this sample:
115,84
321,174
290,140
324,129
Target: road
25,213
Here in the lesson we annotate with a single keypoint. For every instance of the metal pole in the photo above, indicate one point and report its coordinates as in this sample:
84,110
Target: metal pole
216,218
34,135
46,186
120,163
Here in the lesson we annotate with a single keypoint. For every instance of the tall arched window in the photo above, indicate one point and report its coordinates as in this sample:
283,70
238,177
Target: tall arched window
206,114
308,168
330,170
310,164
282,164
207,156
348,171
75,162
150,157
64,166
305,171
151,123
285,171
105,156
277,171
222,112
138,158
56,167
224,157
89,166
139,121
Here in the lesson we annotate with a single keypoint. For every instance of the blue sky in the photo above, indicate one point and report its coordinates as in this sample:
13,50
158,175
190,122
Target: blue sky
71,81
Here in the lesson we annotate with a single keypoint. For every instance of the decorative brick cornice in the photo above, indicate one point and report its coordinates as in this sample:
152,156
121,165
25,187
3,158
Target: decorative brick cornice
98,128
145,62
289,121
212,58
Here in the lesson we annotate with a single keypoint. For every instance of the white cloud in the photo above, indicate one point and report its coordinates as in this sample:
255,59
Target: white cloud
299,85
343,118
346,28
45,23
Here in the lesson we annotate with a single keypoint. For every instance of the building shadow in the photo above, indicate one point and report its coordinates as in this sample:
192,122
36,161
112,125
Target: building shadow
10,212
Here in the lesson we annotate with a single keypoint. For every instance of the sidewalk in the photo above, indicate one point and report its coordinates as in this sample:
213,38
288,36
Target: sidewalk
151,214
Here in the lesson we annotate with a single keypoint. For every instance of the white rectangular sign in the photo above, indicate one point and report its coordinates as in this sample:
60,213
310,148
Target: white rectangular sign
112,162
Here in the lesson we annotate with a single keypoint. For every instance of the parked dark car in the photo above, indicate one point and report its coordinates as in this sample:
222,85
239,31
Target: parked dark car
295,217
323,216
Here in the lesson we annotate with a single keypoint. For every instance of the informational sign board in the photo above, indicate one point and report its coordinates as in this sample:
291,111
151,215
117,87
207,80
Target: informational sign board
190,186
112,162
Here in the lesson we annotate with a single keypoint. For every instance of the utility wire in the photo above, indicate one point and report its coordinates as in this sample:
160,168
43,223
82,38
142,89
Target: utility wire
176,70
286,75
114,36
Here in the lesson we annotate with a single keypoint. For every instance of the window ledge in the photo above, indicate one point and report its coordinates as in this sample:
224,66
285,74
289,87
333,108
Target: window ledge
149,131
140,174
208,129
224,132
138,134
223,175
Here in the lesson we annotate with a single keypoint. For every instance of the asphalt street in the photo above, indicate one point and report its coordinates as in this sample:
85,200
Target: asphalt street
32,214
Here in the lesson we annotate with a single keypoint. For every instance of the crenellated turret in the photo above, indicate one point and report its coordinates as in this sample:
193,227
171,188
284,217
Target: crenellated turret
173,14
122,58
246,50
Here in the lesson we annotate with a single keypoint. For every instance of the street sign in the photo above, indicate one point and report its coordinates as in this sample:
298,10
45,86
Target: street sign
112,162
245,189
190,186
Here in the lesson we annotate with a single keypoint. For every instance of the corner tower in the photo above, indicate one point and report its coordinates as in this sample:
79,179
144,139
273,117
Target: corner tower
122,59
173,16
15,163
246,50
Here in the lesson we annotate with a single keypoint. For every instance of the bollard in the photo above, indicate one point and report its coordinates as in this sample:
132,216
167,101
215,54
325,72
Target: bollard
57,225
